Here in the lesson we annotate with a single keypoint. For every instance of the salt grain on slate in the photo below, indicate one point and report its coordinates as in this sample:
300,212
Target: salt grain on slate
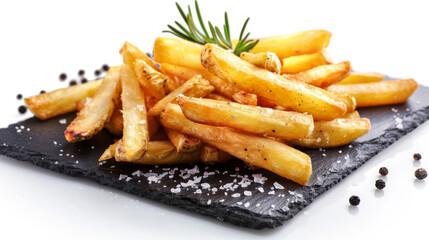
63,121
247,204
122,177
248,193
236,195
278,185
272,192
260,189
175,190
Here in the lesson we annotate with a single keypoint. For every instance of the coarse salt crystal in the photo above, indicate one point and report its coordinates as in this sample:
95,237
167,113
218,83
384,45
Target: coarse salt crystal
122,177
209,202
63,121
248,193
278,185
175,190
140,108
272,192
236,195
261,189
142,122
247,204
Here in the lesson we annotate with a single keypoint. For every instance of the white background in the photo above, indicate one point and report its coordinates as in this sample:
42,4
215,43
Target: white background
40,39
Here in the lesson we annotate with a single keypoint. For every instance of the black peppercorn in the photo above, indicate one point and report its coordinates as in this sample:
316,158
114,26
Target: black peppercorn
421,173
81,72
354,200
383,171
22,109
105,67
63,76
417,156
97,72
72,82
83,80
19,96
380,184
42,91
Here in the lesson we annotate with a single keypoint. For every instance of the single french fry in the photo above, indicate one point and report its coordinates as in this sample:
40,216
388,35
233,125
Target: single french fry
300,63
92,117
220,86
354,114
299,43
349,101
158,80
211,155
378,93
130,53
140,69
367,77
266,60
323,76
256,151
194,87
250,119
181,142
158,153
60,101
178,52
292,95
334,133
135,130
219,97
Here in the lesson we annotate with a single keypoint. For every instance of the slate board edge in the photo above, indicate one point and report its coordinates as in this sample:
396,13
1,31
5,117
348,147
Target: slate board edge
229,214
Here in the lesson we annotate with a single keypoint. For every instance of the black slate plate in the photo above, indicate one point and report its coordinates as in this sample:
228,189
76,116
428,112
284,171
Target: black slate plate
231,193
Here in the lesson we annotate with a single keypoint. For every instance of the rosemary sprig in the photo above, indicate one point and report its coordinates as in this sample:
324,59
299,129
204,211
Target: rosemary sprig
213,34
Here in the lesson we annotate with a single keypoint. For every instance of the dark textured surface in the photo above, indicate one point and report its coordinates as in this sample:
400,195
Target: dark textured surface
231,193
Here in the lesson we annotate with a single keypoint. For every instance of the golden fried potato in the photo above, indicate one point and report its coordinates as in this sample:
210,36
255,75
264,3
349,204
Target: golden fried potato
115,124
334,133
220,86
158,153
181,142
80,104
255,151
60,101
367,77
130,53
219,97
135,137
250,119
300,63
349,101
323,76
178,52
158,80
265,60
299,43
211,155
354,114
378,93
292,95
194,87
92,117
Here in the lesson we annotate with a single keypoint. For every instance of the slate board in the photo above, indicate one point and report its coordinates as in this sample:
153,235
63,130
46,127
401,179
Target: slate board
229,192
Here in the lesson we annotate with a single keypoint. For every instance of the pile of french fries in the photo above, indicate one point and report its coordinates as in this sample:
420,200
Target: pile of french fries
213,105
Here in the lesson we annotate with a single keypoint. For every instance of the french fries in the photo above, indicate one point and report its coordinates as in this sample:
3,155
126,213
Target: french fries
299,43
300,63
219,97
266,60
194,87
181,142
255,151
256,120
334,133
349,101
211,155
60,101
130,53
356,77
292,95
92,117
158,152
156,79
378,93
220,86
135,131
323,76
178,52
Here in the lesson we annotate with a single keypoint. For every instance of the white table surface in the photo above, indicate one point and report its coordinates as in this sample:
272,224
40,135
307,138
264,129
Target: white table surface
41,39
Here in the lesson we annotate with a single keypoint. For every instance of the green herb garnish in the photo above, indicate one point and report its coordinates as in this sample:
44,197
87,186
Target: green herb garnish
193,34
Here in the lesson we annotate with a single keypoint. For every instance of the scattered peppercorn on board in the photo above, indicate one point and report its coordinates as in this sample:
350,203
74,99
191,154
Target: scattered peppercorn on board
229,192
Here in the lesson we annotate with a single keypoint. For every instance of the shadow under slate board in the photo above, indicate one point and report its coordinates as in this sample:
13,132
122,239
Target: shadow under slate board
228,192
